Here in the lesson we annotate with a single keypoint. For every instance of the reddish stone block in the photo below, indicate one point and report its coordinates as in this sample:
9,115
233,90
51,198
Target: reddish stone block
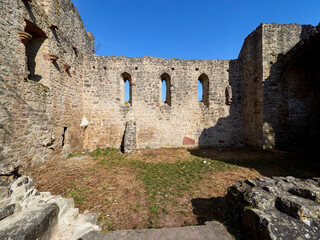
196,113
188,141
157,104
46,57
101,80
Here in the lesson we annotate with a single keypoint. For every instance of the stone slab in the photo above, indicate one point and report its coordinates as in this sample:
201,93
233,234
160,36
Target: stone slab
210,231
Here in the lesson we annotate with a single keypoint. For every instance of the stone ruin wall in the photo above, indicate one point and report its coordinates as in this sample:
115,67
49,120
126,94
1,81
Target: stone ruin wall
290,88
42,103
267,108
251,74
38,102
186,122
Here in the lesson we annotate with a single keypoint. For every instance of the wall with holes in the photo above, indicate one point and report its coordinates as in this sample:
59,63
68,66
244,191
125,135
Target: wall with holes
42,43
57,97
180,121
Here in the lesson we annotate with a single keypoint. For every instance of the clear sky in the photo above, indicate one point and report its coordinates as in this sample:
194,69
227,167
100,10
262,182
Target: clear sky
189,29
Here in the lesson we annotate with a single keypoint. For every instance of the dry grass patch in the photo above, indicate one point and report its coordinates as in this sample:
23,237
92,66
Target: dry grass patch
156,187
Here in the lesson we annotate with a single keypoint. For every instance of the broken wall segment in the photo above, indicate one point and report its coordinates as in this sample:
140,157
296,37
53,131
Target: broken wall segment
129,137
37,96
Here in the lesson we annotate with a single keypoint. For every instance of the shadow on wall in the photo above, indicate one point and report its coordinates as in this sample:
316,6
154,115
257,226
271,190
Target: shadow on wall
292,98
227,131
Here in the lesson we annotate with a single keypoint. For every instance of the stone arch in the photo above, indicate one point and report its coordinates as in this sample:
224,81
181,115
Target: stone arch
204,81
126,77
165,77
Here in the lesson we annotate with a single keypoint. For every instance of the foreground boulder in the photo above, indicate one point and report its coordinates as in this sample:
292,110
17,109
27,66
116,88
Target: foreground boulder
26,213
276,208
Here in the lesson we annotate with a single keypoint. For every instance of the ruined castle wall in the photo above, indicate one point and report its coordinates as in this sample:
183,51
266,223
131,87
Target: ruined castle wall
250,59
266,103
38,98
279,107
186,122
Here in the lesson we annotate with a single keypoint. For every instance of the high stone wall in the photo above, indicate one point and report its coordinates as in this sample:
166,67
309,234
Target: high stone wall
266,107
38,98
291,85
51,82
186,122
250,58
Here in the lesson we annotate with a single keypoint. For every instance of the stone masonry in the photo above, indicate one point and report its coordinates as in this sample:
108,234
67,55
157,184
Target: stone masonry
50,79
129,137
276,208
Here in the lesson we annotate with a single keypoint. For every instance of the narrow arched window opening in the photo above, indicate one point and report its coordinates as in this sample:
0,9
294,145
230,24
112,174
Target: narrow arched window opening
166,88
127,87
164,91
126,91
200,91
203,89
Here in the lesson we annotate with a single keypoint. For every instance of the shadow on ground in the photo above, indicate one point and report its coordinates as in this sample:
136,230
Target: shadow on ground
214,209
300,164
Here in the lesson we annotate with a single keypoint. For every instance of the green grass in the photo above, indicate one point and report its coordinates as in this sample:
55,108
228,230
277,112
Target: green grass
79,195
75,154
164,181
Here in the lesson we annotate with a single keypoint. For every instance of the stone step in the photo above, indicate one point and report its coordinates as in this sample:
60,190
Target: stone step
35,223
210,231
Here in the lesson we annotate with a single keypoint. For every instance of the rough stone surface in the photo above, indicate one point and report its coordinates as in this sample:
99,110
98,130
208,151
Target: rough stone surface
129,138
209,231
6,211
52,80
276,208
35,224
27,214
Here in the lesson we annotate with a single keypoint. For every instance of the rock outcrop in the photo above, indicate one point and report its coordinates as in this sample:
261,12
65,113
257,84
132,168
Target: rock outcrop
26,213
276,208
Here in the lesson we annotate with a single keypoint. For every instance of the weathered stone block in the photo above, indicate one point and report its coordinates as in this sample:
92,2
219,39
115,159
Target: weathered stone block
7,211
129,138
267,208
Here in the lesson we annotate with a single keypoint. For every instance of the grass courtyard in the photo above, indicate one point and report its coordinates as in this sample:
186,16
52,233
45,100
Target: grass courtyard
154,188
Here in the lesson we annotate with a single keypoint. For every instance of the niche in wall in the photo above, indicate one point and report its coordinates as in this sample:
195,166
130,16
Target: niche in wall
36,47
303,87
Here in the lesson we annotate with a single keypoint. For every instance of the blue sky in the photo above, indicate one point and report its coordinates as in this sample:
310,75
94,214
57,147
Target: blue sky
202,29
197,29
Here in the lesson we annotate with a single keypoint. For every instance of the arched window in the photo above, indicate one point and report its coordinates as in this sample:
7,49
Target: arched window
166,88
203,89
127,87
